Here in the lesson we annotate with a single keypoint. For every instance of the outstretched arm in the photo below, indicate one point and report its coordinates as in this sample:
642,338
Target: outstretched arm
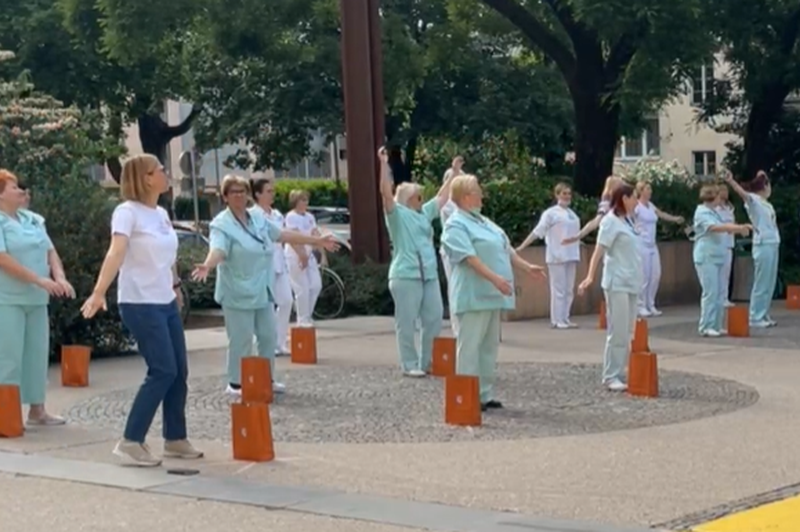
387,198
737,187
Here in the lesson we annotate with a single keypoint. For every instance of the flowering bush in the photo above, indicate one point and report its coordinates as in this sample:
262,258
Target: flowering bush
51,148
655,171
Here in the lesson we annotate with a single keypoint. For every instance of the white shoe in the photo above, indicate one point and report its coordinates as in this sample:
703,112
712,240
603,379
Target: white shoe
644,313
616,385
772,323
278,387
655,312
710,333
135,454
414,373
572,325
233,392
728,304
561,326
763,324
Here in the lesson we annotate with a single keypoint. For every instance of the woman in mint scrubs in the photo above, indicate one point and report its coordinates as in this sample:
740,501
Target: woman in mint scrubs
242,249
414,270
30,272
766,245
483,263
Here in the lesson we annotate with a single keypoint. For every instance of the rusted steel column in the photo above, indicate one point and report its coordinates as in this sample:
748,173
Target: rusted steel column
362,81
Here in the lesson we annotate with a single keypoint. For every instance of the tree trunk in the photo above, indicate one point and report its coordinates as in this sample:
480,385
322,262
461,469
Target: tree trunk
595,142
764,114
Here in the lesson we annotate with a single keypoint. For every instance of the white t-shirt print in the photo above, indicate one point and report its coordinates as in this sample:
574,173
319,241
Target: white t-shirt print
302,223
146,272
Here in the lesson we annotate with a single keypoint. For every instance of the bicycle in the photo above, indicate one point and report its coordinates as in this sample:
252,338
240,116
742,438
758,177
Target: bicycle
330,303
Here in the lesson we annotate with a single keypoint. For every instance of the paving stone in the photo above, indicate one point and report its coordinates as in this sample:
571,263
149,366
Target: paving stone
375,404
785,336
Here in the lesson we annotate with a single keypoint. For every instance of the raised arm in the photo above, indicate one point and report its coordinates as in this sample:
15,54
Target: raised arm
736,187
590,227
387,197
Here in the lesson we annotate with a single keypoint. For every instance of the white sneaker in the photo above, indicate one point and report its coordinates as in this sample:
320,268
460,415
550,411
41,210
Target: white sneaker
763,324
728,304
278,387
234,392
644,313
616,385
572,325
655,312
135,454
710,333
414,373
561,326
772,323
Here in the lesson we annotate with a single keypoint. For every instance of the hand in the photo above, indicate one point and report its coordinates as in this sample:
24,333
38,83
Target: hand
383,155
200,272
95,303
68,290
537,271
727,176
679,220
744,229
519,249
503,286
178,297
329,242
49,285
303,262
584,286
570,240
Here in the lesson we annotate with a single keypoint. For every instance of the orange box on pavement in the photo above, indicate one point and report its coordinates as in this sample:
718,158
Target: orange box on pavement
304,345
75,360
256,380
640,342
10,412
793,297
643,375
444,357
462,401
252,432
739,322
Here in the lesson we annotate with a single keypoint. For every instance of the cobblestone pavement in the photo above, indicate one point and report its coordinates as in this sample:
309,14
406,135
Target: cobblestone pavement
785,336
375,405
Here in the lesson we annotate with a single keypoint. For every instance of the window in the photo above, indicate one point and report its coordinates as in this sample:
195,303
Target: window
648,143
705,163
703,84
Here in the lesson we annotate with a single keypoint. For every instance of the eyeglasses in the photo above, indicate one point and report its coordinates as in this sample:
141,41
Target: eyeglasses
237,192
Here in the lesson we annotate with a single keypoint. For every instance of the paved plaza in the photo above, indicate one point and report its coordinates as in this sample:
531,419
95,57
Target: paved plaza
359,448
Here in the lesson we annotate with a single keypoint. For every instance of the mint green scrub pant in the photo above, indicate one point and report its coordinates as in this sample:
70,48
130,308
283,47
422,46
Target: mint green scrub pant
24,350
477,345
712,310
240,326
416,300
765,275
621,310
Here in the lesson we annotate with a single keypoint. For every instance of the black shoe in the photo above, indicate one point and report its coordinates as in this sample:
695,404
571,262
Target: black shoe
491,405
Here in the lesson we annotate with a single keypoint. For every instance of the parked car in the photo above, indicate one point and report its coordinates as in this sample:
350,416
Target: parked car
189,236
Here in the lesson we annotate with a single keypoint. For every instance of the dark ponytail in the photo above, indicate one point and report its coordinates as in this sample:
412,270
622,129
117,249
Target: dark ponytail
759,183
257,186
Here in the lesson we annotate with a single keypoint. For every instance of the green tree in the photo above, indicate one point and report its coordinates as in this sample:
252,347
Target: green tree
50,147
619,60
762,50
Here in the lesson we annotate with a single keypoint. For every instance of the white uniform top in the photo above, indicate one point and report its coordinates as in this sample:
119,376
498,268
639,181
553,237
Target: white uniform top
646,223
726,213
603,207
276,218
146,272
447,209
556,224
302,223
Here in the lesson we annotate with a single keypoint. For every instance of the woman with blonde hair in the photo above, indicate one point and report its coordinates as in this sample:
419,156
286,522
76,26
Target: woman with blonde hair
727,212
144,248
483,263
558,223
243,252
709,257
303,265
31,273
603,208
646,216
414,270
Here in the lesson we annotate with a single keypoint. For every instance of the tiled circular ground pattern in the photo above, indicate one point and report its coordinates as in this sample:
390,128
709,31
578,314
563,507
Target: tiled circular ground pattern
375,404
785,336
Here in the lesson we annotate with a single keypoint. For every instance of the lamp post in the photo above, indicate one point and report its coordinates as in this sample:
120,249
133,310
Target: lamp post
362,76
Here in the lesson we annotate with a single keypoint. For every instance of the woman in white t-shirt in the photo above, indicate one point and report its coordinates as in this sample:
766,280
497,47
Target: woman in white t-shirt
303,266
143,251
646,216
264,195
558,223
603,208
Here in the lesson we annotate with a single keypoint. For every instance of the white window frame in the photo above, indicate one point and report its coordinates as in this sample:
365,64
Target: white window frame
706,85
646,148
705,154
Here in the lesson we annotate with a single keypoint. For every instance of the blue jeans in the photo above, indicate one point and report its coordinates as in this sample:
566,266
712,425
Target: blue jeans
158,331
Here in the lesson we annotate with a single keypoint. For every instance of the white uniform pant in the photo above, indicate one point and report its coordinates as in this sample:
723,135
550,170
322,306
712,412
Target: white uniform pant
448,271
651,266
282,292
725,277
306,284
562,290
621,321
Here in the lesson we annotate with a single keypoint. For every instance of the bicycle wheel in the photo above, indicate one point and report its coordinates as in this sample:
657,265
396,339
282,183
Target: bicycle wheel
332,296
186,309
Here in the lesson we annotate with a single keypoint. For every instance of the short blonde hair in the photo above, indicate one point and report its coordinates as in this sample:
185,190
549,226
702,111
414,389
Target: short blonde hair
298,195
709,193
133,183
612,182
405,191
641,185
463,185
5,178
561,187
232,179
